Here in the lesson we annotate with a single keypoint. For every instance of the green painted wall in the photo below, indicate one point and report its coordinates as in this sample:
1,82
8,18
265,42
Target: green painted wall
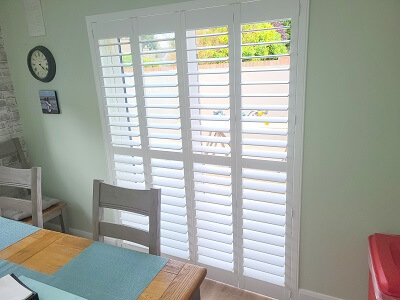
351,184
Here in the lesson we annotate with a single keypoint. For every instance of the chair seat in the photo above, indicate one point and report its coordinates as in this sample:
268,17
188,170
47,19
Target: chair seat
49,213
47,202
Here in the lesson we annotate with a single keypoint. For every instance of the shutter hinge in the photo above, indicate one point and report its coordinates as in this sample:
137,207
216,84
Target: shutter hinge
290,294
295,120
299,8
291,215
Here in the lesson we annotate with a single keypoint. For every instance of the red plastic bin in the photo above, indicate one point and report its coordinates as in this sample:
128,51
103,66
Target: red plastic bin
384,267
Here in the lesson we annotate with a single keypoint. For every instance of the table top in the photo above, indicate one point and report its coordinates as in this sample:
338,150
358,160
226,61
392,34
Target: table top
46,251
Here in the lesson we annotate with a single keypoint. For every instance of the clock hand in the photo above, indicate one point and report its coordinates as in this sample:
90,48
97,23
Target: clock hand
41,66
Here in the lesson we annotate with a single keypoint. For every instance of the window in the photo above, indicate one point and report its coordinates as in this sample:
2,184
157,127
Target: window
201,103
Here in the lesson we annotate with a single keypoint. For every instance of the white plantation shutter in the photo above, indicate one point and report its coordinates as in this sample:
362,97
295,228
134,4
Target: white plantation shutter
192,107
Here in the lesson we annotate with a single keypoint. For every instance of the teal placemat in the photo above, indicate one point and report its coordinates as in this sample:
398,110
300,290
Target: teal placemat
86,292
122,272
47,292
12,231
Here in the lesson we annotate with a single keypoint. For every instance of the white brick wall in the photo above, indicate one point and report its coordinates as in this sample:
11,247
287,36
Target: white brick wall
10,124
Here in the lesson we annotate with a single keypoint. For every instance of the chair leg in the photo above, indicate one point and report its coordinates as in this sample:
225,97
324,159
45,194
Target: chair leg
64,220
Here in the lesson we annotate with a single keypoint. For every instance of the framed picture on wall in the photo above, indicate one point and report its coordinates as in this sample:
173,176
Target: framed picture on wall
49,102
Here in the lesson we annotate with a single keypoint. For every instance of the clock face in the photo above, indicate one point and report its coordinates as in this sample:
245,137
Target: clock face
39,64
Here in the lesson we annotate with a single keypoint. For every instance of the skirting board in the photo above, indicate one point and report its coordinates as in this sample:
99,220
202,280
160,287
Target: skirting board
309,295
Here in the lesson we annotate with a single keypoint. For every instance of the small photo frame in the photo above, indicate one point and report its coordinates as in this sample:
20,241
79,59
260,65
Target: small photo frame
49,102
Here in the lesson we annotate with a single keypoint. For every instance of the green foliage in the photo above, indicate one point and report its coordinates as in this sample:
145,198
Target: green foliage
127,59
208,41
260,37
247,37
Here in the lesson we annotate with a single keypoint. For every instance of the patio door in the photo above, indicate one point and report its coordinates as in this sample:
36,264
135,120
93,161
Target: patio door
200,103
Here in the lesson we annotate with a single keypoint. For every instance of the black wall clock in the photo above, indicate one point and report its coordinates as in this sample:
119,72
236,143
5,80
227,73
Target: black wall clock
41,64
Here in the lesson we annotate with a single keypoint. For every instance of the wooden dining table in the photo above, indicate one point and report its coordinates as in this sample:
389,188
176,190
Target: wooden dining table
47,251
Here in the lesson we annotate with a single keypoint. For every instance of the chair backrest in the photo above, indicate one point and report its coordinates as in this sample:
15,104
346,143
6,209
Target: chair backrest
13,148
143,202
26,179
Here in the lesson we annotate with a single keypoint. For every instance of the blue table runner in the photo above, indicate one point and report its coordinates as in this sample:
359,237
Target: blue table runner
12,231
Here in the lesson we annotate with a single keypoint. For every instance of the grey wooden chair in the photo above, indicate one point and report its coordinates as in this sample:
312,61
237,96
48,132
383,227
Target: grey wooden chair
51,207
27,179
143,202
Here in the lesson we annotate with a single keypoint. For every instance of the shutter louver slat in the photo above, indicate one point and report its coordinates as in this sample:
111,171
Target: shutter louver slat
126,133
175,201
214,208
214,227
211,149
224,247
215,263
263,267
174,252
123,105
215,236
174,235
266,258
174,244
264,237
159,74
264,227
161,172
278,280
182,229
215,199
264,196
216,254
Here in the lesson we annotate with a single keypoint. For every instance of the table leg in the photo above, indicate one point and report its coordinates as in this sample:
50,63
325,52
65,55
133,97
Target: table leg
196,294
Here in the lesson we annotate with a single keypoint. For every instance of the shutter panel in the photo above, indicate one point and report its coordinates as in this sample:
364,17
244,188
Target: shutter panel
209,88
160,107
264,93
120,108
